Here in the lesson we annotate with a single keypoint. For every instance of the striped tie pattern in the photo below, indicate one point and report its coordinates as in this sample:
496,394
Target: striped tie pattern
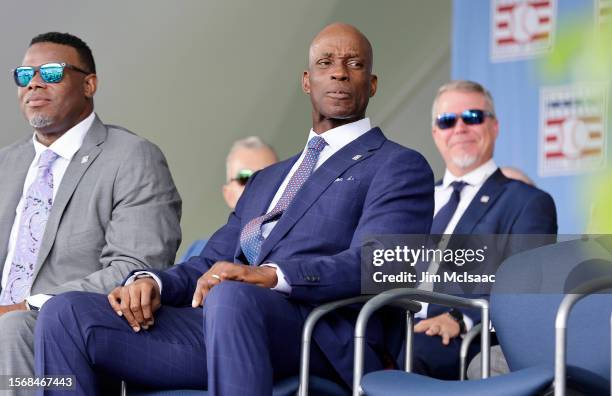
251,238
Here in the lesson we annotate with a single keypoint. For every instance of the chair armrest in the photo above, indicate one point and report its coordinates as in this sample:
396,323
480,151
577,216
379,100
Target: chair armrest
563,312
321,311
465,345
387,297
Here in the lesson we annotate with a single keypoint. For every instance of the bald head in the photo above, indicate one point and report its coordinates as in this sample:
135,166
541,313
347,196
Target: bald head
337,30
339,78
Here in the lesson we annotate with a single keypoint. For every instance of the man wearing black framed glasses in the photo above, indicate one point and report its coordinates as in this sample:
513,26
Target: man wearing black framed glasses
82,203
474,197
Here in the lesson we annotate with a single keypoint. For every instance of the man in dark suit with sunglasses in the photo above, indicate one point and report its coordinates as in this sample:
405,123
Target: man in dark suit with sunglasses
82,203
474,197
293,242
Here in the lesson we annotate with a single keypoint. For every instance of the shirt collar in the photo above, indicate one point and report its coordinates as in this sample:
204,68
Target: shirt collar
70,142
340,136
473,178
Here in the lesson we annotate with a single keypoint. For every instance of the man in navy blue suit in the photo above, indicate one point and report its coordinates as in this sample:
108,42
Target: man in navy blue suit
230,319
474,198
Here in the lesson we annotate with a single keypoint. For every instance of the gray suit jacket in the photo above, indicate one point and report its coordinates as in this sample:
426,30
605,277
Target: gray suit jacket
116,210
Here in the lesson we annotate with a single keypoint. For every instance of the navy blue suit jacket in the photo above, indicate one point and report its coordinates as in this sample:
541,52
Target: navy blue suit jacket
371,186
512,207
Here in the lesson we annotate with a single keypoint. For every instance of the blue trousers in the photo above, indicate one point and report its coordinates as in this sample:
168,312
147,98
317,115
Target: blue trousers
245,338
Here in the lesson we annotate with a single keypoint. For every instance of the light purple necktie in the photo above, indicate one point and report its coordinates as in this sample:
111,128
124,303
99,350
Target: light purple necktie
34,218
251,238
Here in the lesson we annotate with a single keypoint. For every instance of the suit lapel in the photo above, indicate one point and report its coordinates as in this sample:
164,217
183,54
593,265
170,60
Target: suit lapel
81,161
13,177
263,192
317,183
482,202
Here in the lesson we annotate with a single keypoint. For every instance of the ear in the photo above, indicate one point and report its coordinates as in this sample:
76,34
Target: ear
495,127
90,85
373,84
306,82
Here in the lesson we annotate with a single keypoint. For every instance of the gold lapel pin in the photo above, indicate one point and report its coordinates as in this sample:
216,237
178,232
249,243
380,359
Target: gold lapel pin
484,199
84,159
355,158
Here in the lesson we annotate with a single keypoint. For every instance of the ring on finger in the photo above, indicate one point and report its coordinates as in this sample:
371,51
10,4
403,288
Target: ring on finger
217,277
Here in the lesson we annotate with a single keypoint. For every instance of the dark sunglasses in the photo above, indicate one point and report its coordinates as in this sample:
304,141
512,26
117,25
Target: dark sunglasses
243,176
469,117
49,73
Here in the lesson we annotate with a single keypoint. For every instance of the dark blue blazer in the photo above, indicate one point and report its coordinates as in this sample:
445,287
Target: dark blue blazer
371,186
509,207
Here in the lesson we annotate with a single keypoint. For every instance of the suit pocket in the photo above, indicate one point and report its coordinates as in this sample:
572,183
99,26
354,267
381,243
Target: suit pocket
337,209
343,190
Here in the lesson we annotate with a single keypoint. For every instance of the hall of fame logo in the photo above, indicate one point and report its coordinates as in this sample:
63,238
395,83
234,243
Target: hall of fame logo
572,129
521,28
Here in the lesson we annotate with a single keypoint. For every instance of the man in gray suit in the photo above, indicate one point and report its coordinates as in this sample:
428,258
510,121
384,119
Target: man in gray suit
82,203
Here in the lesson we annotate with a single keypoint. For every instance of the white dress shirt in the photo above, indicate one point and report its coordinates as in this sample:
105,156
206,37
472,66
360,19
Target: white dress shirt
336,139
65,147
474,179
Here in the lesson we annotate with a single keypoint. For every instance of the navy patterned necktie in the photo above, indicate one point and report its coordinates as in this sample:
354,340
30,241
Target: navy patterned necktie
34,216
445,214
251,238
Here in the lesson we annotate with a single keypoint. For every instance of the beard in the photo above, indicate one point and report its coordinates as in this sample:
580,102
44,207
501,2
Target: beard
40,121
464,161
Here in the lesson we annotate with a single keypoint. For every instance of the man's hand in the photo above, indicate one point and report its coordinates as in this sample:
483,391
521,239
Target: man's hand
442,325
13,307
224,270
137,302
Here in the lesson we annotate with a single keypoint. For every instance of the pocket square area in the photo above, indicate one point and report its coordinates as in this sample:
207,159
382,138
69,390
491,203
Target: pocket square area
345,179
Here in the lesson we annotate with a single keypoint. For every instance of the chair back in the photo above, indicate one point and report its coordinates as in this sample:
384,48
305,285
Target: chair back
524,301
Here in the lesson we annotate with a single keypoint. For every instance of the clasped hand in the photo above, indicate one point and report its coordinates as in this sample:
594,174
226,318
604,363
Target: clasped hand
138,301
442,325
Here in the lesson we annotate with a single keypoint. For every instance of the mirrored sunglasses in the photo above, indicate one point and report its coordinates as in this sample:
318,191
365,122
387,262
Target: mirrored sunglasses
469,117
242,177
49,73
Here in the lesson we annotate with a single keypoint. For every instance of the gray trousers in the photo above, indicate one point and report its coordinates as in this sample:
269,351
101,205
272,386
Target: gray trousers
499,366
17,348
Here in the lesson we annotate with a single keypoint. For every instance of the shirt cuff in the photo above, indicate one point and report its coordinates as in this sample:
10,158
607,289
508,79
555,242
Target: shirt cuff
38,300
140,274
281,283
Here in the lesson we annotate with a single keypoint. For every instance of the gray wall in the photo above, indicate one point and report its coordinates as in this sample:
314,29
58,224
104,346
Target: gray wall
193,75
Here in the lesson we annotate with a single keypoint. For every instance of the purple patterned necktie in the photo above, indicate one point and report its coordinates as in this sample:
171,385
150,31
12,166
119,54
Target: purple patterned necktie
34,217
250,237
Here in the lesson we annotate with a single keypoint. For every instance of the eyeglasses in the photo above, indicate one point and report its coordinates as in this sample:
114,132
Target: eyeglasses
469,117
49,73
243,176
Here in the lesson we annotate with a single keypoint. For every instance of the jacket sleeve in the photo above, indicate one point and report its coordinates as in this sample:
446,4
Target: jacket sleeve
399,200
143,231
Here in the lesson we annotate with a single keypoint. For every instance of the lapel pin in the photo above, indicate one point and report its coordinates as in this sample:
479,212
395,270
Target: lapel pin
84,159
484,199
355,158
